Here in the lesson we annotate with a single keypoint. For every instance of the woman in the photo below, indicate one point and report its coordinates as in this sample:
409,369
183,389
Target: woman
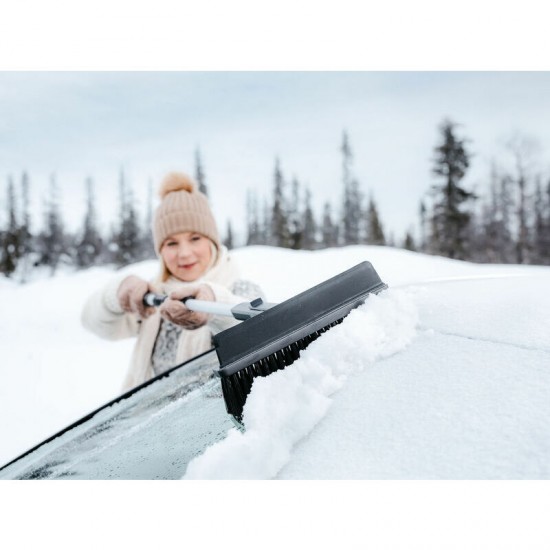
193,263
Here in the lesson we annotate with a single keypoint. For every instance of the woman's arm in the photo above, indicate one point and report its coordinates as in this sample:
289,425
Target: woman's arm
103,315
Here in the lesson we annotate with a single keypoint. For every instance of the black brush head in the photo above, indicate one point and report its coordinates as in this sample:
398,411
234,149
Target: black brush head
273,339
237,386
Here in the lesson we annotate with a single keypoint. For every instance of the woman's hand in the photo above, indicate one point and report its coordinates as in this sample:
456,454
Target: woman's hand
175,311
130,295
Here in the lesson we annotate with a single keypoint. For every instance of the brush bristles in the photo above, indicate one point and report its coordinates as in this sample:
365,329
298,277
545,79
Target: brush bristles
237,386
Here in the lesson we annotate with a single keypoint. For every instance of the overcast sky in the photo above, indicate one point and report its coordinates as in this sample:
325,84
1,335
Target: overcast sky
84,124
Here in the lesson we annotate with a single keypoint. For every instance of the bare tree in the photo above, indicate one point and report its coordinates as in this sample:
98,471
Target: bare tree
523,149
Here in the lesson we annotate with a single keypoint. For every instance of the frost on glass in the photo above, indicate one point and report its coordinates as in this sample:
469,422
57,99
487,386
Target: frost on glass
152,434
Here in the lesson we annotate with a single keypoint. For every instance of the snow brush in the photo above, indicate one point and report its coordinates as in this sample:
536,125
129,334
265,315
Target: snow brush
272,336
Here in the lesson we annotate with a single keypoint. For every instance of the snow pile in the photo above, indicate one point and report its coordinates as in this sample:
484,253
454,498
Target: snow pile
469,398
446,380
283,408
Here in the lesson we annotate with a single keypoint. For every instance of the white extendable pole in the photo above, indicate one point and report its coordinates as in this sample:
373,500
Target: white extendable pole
215,308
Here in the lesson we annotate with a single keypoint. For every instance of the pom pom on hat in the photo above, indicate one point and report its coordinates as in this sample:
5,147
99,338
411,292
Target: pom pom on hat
176,181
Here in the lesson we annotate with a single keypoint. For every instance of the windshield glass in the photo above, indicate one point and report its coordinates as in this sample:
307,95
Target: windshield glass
151,433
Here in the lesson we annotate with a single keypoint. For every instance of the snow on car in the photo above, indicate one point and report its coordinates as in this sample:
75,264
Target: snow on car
446,375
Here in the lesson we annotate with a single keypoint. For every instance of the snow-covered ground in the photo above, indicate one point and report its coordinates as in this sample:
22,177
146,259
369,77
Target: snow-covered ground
445,375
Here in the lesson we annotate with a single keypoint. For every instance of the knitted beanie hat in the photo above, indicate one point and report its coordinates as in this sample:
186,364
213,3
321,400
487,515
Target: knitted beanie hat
183,208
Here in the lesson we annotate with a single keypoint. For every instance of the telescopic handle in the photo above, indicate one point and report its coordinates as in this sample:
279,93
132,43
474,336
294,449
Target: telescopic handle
241,311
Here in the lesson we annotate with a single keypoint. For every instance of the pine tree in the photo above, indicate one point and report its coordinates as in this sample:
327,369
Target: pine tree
228,241
90,244
199,173
252,217
294,217
330,229
546,235
147,248
26,239
52,240
472,233
541,243
375,232
450,219
408,243
491,228
432,229
279,217
506,209
522,246
127,237
10,237
545,239
352,199
264,227
309,240
423,245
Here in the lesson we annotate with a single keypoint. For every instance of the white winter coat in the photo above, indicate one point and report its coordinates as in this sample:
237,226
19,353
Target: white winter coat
103,316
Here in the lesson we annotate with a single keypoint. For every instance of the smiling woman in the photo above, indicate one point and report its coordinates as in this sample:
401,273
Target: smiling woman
193,263
187,255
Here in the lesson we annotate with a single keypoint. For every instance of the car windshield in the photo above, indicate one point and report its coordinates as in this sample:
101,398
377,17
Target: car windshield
151,433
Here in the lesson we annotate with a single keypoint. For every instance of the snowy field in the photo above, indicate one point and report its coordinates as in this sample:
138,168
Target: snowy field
444,376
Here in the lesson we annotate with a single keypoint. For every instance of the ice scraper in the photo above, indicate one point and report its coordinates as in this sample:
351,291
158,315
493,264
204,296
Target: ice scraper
272,336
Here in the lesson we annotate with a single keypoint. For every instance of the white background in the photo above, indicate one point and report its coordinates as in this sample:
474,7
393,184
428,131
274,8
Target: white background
309,35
